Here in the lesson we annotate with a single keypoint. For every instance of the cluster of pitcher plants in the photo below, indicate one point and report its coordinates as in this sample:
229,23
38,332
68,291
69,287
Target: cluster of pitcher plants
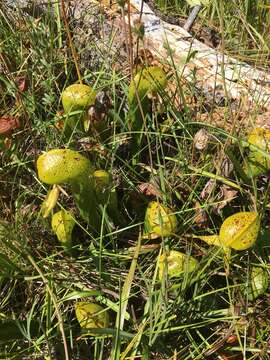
94,191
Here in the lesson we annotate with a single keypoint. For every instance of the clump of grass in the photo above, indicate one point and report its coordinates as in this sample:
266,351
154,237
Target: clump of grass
202,313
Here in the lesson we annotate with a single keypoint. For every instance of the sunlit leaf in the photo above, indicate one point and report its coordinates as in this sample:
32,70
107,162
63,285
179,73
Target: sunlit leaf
50,201
239,231
62,224
193,3
146,81
159,220
256,163
91,315
259,282
176,264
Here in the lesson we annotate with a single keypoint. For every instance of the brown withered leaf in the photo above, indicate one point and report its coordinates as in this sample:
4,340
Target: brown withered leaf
208,189
109,4
90,144
201,139
144,58
99,110
8,124
59,124
225,167
149,189
201,218
8,143
232,339
59,121
227,194
22,83
222,118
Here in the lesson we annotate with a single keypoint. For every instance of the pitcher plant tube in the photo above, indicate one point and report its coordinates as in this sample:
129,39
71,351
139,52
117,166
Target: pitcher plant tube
62,225
175,264
258,283
64,166
239,231
77,98
107,196
146,82
91,316
256,163
160,221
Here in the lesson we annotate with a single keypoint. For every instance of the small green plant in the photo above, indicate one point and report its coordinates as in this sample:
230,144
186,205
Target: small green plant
107,196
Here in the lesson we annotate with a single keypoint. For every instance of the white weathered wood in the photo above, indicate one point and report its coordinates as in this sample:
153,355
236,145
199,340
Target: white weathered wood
215,72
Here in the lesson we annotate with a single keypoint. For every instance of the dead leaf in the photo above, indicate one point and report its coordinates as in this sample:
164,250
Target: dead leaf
7,143
90,144
59,124
208,189
109,4
22,83
227,194
144,58
232,339
8,124
201,217
226,167
103,101
222,118
149,189
98,111
201,139
59,121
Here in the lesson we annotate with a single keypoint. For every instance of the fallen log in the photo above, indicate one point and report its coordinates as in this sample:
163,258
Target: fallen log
214,72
